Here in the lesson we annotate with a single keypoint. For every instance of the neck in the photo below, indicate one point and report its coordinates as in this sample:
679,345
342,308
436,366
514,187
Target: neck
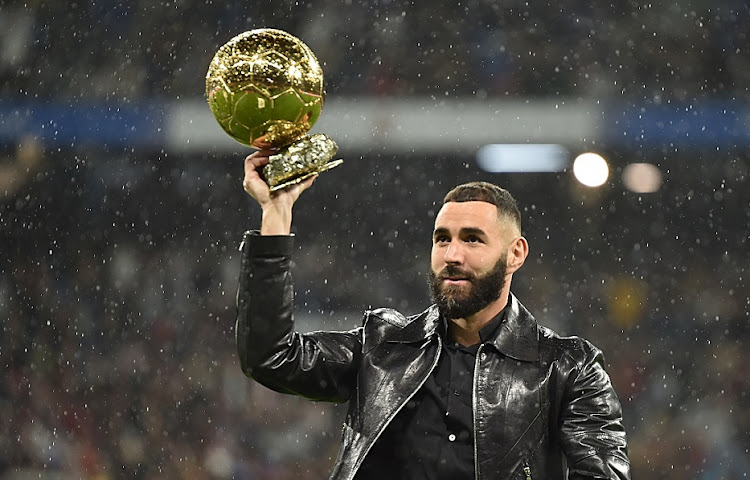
466,330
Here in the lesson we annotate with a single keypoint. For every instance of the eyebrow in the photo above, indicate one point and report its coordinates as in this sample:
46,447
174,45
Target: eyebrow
462,231
473,230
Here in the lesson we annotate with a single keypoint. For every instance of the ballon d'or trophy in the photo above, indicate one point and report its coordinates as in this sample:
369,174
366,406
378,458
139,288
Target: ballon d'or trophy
265,88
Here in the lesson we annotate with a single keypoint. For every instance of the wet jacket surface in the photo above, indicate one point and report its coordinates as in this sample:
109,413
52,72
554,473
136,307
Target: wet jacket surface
544,407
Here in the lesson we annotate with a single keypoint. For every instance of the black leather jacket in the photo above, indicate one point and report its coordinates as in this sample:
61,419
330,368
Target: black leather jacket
544,407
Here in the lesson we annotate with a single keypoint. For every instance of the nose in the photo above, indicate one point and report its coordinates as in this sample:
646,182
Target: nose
453,254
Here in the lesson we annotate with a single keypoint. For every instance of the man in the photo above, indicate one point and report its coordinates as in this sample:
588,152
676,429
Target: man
470,388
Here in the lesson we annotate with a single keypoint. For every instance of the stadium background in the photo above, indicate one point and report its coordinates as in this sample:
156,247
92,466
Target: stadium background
121,211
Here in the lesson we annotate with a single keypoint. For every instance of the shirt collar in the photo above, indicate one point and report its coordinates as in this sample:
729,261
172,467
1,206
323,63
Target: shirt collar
489,331
486,334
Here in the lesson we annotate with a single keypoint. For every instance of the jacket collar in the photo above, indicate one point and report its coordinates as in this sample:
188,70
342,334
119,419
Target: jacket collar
517,337
418,328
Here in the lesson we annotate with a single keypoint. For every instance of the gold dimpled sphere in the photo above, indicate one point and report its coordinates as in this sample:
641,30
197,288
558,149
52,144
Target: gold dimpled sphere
265,88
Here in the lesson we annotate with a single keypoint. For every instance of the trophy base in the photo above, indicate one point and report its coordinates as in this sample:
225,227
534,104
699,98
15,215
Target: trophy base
304,158
304,177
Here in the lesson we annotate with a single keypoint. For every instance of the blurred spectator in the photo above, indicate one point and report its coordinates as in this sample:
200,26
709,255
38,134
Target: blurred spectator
16,170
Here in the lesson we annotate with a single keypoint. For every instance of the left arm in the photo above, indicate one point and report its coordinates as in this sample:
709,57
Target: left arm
592,435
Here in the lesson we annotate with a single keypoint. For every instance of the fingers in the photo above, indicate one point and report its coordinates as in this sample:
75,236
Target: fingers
296,190
307,183
254,183
258,160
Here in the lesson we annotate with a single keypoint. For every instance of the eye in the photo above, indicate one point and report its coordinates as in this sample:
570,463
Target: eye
473,239
441,238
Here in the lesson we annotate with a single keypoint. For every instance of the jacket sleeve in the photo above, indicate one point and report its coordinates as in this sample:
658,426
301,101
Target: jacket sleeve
592,433
317,365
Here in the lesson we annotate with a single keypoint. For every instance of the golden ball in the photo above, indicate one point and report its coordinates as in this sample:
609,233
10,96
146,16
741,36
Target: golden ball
265,88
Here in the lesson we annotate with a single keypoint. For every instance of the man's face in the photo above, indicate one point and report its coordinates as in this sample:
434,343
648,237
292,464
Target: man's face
469,257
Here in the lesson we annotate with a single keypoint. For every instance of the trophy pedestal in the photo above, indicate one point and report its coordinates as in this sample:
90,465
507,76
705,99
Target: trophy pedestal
308,156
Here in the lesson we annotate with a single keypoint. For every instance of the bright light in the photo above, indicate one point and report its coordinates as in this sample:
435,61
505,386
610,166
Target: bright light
522,158
591,169
642,178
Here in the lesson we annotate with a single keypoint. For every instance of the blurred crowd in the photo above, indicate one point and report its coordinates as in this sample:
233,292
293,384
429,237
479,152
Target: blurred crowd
121,52
117,297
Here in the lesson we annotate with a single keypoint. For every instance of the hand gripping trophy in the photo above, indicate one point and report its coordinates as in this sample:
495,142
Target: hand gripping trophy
265,88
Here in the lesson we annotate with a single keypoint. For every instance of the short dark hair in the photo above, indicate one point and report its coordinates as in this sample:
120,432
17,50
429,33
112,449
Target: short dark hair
490,193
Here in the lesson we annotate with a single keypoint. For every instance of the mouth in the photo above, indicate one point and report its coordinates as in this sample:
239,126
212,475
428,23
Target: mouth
453,277
455,280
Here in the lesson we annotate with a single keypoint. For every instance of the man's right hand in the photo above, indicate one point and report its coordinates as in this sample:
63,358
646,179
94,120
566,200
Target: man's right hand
276,206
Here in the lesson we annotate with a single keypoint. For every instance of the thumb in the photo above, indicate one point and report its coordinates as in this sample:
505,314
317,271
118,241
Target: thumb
305,184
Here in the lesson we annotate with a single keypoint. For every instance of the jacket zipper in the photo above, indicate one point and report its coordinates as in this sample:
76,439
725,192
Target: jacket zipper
474,410
526,468
414,392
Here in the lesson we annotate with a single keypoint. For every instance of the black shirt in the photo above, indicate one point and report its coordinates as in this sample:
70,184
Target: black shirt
431,437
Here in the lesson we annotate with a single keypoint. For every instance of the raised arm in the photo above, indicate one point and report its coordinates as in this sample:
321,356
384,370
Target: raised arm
318,365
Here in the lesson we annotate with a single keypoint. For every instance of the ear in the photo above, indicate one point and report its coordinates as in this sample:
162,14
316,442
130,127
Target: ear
518,250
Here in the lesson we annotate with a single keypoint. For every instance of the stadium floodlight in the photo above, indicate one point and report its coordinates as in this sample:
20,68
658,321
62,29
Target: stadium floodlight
642,178
591,169
522,158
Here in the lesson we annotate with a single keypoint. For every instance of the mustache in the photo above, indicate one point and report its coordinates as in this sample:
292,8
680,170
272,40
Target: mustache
452,271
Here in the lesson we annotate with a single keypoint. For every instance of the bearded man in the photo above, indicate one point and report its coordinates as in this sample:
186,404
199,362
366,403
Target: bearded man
471,388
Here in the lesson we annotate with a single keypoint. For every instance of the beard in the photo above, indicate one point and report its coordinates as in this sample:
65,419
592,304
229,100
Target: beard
456,301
